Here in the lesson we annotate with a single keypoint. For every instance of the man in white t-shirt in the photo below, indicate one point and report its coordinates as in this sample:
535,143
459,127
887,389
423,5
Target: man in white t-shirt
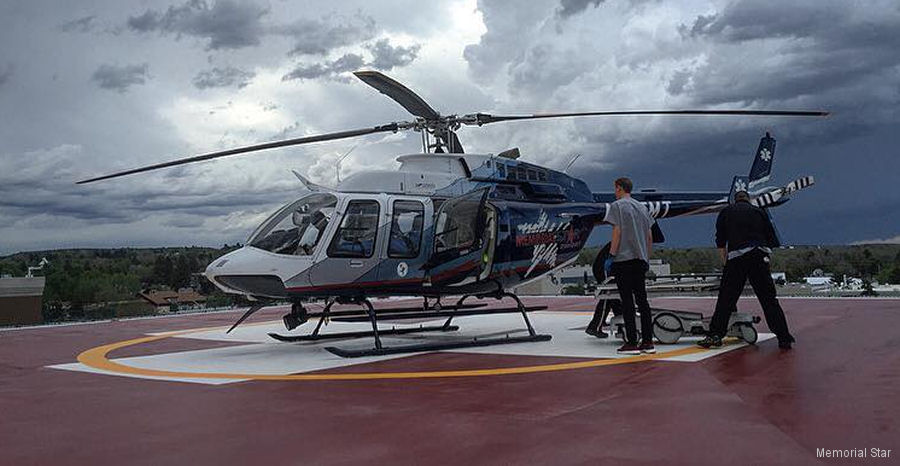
629,261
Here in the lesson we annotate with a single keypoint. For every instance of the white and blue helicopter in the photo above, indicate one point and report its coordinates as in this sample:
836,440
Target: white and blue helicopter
446,223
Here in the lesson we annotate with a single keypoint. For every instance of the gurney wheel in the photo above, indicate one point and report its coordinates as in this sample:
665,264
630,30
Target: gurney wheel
667,328
749,334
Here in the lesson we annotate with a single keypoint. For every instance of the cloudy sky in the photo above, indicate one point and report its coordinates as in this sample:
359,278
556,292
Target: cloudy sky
92,87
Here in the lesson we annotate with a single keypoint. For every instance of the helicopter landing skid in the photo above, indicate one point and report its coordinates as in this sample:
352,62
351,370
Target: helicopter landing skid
380,350
340,335
429,347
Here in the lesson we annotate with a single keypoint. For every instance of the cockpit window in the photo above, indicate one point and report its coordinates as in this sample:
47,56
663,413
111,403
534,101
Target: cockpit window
297,228
406,229
356,235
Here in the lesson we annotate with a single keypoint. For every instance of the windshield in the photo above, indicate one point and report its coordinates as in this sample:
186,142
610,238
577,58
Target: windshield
297,228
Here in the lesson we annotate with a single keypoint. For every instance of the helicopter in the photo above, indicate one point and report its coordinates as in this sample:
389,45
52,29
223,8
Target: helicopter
446,223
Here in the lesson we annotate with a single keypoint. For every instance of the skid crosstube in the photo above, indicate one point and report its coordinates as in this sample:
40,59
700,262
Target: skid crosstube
362,334
398,310
427,347
361,317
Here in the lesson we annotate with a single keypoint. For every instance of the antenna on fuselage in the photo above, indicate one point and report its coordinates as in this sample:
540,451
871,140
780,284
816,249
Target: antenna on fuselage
341,159
571,162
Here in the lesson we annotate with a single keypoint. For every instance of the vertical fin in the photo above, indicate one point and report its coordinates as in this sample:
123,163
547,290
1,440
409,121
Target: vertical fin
762,161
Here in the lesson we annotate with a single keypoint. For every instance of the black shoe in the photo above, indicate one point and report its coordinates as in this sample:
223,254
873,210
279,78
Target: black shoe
629,348
710,341
785,344
647,347
596,333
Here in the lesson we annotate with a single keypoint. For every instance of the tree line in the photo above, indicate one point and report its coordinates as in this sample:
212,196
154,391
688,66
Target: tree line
871,262
82,281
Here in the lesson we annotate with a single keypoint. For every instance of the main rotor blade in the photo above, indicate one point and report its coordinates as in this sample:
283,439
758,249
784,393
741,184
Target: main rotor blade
400,93
393,127
484,118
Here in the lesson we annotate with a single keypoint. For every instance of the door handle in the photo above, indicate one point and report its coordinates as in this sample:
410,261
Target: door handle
355,263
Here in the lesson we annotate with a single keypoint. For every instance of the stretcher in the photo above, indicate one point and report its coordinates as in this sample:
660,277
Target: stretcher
670,325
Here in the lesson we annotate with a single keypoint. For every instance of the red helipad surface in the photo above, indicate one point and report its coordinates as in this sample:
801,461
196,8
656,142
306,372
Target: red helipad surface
754,405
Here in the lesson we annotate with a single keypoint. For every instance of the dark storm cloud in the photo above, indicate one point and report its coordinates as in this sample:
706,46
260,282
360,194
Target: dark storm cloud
827,55
318,37
48,176
85,24
824,47
568,8
225,25
509,30
223,77
330,69
385,56
6,72
679,81
702,26
120,78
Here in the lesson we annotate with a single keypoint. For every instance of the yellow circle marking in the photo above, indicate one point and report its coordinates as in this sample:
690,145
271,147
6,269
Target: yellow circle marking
97,358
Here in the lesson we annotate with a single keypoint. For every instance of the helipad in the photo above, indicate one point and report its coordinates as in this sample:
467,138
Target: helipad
178,390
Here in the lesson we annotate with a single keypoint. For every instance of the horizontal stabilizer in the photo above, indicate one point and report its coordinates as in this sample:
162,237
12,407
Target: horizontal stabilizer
777,196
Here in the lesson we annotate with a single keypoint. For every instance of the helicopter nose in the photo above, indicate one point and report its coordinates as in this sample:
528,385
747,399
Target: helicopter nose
253,272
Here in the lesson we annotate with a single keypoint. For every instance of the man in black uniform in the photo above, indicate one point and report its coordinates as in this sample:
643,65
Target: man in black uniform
744,235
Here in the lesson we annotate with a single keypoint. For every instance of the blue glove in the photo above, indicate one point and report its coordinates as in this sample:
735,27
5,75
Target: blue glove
607,265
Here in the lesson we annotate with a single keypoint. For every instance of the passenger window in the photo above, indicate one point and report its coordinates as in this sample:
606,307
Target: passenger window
522,173
511,172
542,176
456,224
356,235
501,171
532,175
406,229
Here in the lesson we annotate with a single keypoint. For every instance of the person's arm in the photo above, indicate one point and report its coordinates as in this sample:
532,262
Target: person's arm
721,234
616,238
771,236
612,217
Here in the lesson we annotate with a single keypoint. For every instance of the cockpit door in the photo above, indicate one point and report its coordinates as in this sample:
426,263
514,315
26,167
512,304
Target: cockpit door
406,247
462,234
351,257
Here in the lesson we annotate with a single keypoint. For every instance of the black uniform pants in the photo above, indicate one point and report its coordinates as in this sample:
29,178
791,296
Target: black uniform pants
630,276
753,265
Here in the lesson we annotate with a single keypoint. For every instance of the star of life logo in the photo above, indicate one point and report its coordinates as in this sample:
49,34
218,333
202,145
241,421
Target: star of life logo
740,185
765,155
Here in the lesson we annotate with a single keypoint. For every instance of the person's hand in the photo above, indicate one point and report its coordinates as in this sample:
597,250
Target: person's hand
607,264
